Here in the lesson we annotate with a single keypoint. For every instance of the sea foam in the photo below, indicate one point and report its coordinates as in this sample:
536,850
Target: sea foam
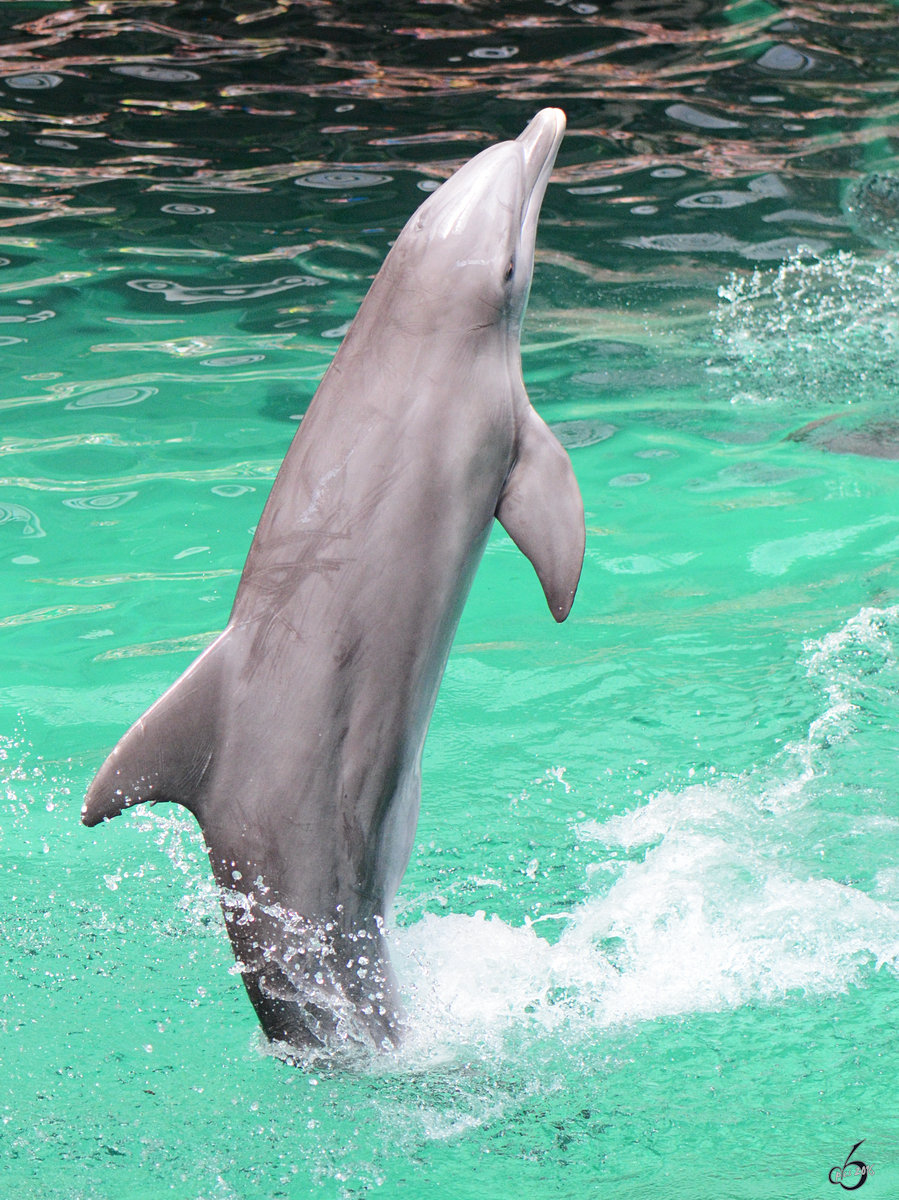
713,896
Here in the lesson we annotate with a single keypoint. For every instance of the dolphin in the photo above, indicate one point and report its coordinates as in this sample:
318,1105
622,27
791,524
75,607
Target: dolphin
296,738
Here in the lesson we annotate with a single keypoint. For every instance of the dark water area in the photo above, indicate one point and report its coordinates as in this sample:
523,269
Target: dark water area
649,936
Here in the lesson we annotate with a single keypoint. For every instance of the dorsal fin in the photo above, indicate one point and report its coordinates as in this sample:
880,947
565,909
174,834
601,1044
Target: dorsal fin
541,510
165,755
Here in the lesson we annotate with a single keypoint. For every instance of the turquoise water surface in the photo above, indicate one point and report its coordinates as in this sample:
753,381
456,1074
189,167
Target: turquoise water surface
649,935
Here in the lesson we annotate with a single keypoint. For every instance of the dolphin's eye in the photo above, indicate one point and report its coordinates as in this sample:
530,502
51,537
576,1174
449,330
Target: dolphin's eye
510,270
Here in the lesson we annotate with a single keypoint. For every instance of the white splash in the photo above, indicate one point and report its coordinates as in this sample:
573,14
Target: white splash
706,899
820,329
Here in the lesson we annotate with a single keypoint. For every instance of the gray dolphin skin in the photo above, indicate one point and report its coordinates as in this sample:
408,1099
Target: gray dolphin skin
296,738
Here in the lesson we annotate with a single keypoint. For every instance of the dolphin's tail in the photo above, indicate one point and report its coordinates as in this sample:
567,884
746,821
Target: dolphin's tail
167,754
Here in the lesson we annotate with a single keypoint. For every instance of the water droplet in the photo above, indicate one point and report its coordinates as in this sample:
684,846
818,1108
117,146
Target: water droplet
872,205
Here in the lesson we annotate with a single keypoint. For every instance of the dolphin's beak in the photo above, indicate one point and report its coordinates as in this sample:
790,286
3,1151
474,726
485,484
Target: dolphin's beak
540,143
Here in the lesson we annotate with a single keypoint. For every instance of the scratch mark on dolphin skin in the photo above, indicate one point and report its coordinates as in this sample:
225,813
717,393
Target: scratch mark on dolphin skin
277,589
311,509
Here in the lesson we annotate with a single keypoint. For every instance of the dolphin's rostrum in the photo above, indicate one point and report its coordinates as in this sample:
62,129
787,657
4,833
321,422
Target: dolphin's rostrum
296,738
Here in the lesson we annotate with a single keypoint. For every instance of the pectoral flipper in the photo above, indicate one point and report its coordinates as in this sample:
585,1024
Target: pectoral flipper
541,510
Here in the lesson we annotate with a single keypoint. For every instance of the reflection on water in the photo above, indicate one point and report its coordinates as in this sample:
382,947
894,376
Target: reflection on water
651,915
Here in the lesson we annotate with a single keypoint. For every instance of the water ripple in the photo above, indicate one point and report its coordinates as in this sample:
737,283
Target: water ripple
42,445
190,347
225,293
64,391
139,577
51,614
193,642
31,526
242,470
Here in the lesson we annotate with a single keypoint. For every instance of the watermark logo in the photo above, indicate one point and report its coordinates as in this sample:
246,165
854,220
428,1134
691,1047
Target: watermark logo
852,1174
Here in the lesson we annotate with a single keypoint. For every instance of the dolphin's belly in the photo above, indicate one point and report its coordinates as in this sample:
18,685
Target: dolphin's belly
331,687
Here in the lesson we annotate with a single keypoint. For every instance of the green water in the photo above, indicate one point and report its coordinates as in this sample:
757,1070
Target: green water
649,935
